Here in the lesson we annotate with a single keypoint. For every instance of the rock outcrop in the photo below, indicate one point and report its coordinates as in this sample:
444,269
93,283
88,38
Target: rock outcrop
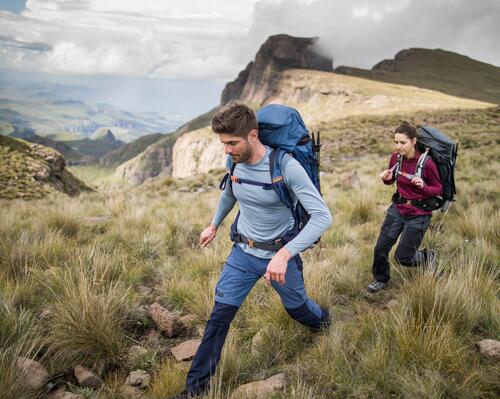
155,160
258,80
197,152
30,171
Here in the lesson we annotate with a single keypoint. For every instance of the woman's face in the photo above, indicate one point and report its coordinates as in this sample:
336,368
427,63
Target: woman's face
403,144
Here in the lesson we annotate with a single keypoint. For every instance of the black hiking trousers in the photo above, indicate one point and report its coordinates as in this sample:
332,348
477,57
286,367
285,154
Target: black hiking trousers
412,230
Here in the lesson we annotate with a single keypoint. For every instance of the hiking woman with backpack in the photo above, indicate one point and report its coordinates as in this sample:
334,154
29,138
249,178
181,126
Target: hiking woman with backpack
417,181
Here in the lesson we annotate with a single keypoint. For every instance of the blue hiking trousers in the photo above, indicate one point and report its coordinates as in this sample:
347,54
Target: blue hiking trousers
241,272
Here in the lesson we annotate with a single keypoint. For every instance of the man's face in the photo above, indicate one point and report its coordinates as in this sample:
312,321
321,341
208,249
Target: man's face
239,148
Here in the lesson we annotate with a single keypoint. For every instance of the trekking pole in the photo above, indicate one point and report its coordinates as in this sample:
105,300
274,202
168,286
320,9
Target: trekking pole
316,144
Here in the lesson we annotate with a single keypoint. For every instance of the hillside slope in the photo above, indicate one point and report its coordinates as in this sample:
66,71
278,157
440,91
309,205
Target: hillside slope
439,70
322,98
30,171
129,150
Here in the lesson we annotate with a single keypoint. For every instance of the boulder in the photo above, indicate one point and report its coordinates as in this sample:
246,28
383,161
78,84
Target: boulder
166,321
87,378
186,350
489,348
138,378
35,375
261,389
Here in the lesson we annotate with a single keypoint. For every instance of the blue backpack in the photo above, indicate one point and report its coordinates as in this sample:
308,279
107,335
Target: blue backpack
282,128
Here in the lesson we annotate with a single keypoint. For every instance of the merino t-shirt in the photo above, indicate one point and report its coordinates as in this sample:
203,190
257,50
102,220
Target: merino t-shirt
263,216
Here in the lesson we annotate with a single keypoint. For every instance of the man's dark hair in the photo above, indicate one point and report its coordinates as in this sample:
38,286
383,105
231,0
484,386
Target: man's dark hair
234,118
407,129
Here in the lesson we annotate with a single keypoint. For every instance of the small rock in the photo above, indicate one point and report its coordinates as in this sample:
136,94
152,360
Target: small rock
34,373
62,394
138,378
43,314
489,348
86,378
342,300
129,392
166,321
258,340
260,389
186,350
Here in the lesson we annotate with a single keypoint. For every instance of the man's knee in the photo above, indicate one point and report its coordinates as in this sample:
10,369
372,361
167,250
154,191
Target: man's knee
222,314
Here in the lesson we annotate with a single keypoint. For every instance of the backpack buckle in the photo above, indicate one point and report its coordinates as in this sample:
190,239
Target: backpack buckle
251,243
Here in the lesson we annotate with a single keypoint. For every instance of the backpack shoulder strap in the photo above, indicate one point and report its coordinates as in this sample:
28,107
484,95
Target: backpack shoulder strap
421,163
277,178
230,166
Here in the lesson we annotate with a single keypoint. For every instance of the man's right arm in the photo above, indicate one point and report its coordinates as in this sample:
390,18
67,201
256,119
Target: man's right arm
226,203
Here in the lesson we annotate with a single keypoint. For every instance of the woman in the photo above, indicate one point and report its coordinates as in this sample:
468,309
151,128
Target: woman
405,216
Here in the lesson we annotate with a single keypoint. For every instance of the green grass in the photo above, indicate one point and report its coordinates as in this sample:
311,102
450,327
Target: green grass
91,280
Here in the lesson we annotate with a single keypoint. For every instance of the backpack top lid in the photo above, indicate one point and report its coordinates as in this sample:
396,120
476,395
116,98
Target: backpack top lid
280,126
428,136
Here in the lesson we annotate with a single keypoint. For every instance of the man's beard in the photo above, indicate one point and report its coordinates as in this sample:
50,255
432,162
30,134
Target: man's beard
244,156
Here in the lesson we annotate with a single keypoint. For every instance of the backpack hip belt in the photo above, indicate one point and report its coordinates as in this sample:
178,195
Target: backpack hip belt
426,204
276,245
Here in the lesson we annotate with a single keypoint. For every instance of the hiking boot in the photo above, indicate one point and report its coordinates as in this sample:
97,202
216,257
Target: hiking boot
376,286
430,256
326,320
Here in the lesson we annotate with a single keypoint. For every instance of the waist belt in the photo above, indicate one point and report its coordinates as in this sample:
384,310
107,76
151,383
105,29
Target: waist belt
276,245
419,203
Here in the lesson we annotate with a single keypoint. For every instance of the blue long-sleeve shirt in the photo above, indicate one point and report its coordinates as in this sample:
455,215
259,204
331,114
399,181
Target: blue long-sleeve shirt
263,216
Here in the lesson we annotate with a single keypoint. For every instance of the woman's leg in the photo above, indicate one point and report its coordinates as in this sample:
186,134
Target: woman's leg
407,252
389,232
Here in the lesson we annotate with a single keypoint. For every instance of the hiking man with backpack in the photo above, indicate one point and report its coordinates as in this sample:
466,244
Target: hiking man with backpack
419,192
267,239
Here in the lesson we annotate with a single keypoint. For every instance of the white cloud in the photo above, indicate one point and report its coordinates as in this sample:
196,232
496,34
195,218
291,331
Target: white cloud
217,38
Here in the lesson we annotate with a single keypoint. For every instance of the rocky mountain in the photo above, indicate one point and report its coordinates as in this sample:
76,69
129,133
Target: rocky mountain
101,142
71,156
259,79
439,70
29,171
129,150
288,70
155,160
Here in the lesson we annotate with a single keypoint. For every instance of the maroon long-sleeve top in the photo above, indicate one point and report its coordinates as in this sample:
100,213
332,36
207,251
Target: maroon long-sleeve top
430,176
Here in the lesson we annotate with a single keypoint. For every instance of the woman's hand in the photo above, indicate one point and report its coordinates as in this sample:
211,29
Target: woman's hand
417,181
386,175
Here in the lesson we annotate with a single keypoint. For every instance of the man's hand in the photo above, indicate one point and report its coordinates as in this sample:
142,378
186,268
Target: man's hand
208,235
417,181
386,175
276,269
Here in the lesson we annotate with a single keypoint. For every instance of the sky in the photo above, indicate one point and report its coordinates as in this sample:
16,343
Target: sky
210,41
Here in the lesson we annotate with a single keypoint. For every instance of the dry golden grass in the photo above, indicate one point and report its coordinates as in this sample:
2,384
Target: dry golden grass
91,278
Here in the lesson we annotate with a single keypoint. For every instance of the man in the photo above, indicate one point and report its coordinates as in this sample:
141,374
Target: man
257,253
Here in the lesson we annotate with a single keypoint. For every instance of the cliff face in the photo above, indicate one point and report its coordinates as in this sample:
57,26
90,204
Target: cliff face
258,80
155,160
197,152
